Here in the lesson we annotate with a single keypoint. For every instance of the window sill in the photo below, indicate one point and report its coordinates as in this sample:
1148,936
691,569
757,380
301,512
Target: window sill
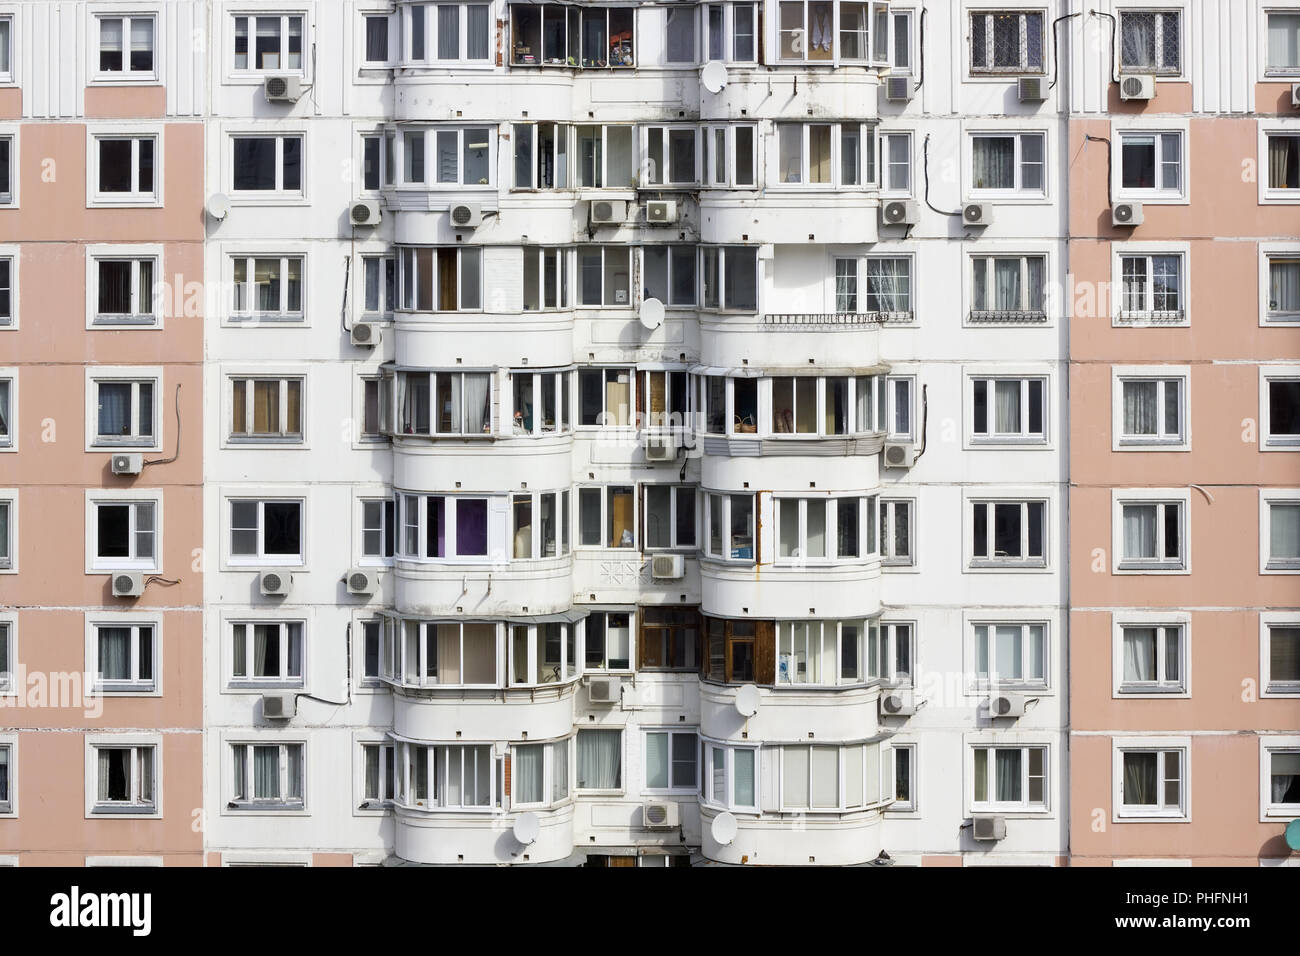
1126,567
1008,441
126,690
125,202
1281,567
1127,815
123,79
1174,317
125,566
254,441
134,811
1152,198
1012,813
1151,444
1005,317
1280,197
107,320
1281,318
1282,689
1287,443
258,687
101,443
1029,687
274,809
266,198
267,318
983,564
1150,691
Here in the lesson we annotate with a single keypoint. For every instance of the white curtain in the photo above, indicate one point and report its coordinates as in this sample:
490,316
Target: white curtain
1008,653
240,755
1284,527
476,29
1140,408
114,408
266,773
373,756
1283,289
4,409
559,770
742,777
1139,654
599,759
1140,531
263,634
1281,159
1138,45
1286,778
115,653
1140,779
4,756
478,413
294,760
888,285
1007,768
1283,41
103,764
1006,285
376,45
527,772
1035,300
656,761
1007,407
449,31
995,162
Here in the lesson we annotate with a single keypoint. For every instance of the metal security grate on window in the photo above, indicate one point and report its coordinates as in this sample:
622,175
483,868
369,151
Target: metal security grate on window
1150,42
1006,42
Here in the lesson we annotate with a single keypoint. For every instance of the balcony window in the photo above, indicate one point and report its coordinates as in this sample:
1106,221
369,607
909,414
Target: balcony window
444,527
608,641
671,155
730,278
670,517
670,638
835,155
541,155
441,279
732,32
543,653
607,517
730,523
461,777
536,520
605,396
557,35
606,158
823,653
728,156
540,402
807,31
670,274
448,654
605,276
452,404
663,399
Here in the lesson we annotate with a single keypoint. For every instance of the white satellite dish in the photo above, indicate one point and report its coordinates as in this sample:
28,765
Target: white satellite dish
526,828
724,828
714,76
218,205
747,700
652,314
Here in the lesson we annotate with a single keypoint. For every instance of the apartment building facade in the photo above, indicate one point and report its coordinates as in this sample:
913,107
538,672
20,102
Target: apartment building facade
101,343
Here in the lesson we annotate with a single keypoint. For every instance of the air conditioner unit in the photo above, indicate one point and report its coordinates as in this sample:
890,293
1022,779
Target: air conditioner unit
660,448
128,584
466,215
897,703
275,582
986,827
667,567
279,706
608,211
660,816
1030,89
282,89
1295,95
362,581
127,464
366,212
365,333
977,213
900,212
899,454
1138,87
1126,214
898,89
661,211
1006,705
605,690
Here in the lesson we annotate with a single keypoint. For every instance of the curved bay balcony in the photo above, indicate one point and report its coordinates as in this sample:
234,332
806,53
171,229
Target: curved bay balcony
439,837
818,689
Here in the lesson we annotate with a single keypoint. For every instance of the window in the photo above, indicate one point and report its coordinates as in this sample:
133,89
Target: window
600,764
543,653
268,776
1284,163
905,776
125,47
1151,288
6,49
1152,535
807,31
889,286
377,403
267,531
268,288
448,32
443,526
546,280
541,402
378,286
1281,658
1009,533
461,157
536,522
124,291
1010,653
671,760
680,40
1008,164
1282,771
455,777
7,761
605,157
1151,164
604,276
608,641
377,31
669,274
1009,410
1151,412
718,394
838,155
378,784
820,530
1008,288
670,638
125,169
377,528
266,409
125,413
822,777
730,277
1281,412
448,653
542,154
8,534
897,530
826,653
1009,778
1152,659
1280,528
1152,781
7,187
901,48
670,517
125,779
894,659
124,535
269,166
730,522
606,517
898,413
453,403
730,776
1150,41
558,35
540,773
896,163
124,658
8,422
276,43
1282,59
731,649
1006,41
732,32
1282,291
372,652
729,154
267,653
378,160
663,399
605,396
7,298
440,279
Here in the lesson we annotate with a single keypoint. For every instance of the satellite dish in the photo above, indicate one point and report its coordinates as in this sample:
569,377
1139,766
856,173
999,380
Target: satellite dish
218,205
526,828
714,76
1293,834
747,700
652,314
724,828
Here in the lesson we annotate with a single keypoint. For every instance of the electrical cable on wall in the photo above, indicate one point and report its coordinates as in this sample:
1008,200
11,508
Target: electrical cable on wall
168,461
926,169
1056,64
